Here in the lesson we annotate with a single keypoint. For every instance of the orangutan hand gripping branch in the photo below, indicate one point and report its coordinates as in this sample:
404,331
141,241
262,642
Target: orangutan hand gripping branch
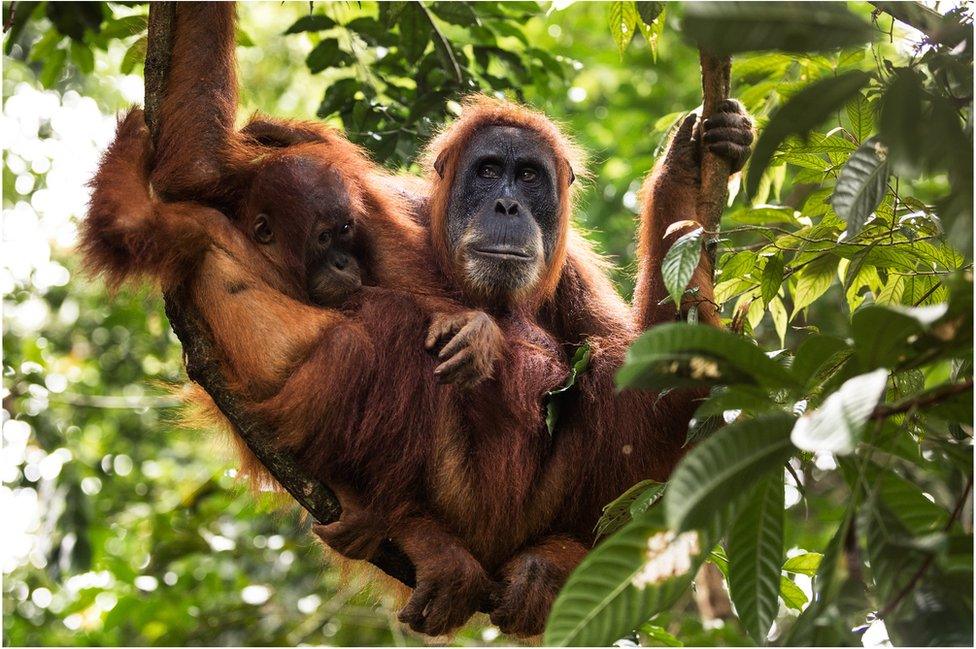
479,491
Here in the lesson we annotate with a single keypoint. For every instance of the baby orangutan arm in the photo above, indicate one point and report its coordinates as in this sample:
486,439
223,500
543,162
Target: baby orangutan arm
473,345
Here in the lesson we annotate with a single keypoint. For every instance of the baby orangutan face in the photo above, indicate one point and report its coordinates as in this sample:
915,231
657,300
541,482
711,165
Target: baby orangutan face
301,213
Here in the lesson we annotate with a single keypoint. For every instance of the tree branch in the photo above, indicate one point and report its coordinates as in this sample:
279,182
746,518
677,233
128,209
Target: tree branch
203,361
929,398
716,74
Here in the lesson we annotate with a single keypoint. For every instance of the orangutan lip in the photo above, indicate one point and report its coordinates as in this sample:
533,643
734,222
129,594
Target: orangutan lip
504,253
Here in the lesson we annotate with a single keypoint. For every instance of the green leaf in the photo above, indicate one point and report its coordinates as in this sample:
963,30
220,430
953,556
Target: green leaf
731,27
75,18
326,55
902,124
52,68
736,397
764,215
814,353
813,281
861,185
415,31
312,23
82,56
781,319
654,632
804,111
804,564
135,55
17,22
553,398
835,427
123,27
715,472
738,264
755,546
652,29
619,512
633,575
861,117
651,358
791,594
623,23
649,11
772,277
881,333
679,263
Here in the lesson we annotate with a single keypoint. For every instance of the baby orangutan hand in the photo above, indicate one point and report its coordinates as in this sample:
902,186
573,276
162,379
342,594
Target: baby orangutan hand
358,532
474,343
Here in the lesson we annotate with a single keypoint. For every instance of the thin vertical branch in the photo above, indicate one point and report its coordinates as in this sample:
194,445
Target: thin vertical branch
716,74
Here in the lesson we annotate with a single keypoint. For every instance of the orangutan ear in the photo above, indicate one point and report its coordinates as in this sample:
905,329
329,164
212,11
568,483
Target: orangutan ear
440,162
570,175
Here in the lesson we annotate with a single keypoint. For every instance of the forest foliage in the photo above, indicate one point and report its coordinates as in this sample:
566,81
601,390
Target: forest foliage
829,475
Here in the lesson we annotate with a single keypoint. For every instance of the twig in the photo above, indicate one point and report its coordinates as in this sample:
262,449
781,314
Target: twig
929,398
11,13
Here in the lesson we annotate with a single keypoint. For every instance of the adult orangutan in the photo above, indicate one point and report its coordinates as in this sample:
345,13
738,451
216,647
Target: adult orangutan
497,215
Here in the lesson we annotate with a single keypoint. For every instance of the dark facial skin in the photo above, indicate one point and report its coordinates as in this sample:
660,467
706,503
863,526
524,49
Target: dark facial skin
301,214
503,213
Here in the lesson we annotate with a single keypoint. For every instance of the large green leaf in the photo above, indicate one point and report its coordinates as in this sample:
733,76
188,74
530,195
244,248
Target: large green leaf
804,111
835,427
755,547
705,353
861,185
730,27
881,333
902,126
633,575
679,263
718,470
815,352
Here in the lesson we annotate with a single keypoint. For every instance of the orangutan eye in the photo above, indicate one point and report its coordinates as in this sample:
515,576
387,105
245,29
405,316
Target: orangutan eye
489,171
528,175
347,228
262,229
325,237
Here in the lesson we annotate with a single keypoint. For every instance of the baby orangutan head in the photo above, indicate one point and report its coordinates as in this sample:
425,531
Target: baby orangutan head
301,212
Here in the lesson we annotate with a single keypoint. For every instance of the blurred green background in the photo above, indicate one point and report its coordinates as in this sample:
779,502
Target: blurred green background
121,526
